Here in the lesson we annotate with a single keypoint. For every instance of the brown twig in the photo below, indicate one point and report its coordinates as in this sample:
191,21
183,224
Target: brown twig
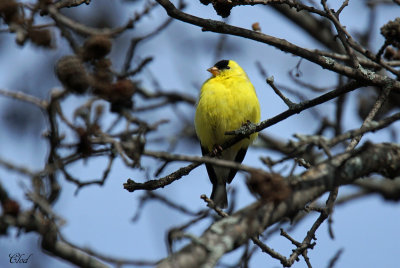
364,76
381,99
131,185
25,97
289,103
253,219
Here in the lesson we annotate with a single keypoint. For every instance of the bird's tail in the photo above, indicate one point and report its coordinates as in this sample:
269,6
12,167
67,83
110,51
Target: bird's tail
219,195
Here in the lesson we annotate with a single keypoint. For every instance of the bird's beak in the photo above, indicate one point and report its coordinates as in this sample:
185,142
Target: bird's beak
213,70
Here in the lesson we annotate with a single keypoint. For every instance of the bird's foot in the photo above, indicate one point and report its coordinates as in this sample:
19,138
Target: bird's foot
217,150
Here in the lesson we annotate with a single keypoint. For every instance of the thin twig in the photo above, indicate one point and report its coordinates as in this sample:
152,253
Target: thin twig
25,97
290,104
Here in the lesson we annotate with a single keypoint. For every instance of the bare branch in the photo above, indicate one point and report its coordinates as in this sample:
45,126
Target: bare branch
84,29
25,97
362,75
227,234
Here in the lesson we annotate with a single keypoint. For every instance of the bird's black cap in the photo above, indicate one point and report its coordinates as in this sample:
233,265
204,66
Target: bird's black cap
223,64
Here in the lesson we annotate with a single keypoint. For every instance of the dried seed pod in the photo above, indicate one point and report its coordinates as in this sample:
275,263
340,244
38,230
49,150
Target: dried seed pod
389,53
223,8
391,32
121,95
205,2
124,88
72,74
102,78
268,186
9,11
392,53
10,207
102,72
96,47
41,38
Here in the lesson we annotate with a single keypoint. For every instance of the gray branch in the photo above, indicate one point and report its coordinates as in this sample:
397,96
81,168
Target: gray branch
231,232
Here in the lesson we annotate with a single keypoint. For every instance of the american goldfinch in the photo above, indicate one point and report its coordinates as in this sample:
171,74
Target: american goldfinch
227,101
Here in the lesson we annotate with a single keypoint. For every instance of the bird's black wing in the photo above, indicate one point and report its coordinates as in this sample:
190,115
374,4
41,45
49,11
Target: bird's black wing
210,169
239,159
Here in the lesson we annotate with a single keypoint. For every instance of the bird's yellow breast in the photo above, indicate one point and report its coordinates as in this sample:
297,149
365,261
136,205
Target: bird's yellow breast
225,104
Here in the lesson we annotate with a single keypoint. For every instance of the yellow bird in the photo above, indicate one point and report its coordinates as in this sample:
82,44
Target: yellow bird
227,101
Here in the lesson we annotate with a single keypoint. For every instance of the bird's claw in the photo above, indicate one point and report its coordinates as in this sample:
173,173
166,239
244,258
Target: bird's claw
217,150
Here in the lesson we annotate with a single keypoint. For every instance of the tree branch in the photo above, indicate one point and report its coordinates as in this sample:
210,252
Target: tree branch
359,73
231,232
